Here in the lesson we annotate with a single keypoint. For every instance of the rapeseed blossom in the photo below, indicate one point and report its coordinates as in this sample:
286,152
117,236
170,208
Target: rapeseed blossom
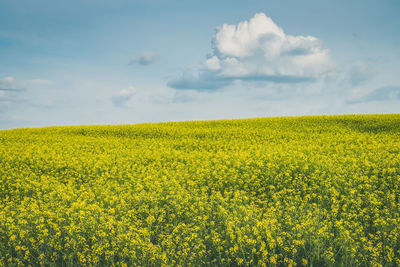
274,191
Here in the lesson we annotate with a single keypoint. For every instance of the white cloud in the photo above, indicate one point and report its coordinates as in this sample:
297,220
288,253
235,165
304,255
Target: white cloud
258,49
146,58
120,98
11,84
8,79
7,83
244,39
213,63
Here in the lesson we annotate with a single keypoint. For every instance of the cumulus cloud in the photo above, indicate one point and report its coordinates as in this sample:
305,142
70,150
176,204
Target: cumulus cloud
381,94
123,96
257,50
146,58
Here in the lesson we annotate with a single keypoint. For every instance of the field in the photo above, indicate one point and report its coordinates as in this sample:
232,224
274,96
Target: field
300,191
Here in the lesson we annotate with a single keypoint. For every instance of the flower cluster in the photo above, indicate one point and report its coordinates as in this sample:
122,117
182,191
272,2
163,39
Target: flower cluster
273,191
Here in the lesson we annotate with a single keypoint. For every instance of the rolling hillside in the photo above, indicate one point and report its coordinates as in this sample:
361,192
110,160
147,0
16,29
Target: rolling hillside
320,190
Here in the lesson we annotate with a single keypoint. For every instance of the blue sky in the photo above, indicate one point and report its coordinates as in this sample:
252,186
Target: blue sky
122,62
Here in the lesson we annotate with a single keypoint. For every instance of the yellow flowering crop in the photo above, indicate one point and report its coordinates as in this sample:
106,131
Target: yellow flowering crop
274,191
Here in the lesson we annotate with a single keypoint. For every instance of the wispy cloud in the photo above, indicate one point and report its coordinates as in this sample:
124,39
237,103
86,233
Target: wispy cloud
359,73
381,94
185,96
123,96
257,50
8,84
146,58
39,82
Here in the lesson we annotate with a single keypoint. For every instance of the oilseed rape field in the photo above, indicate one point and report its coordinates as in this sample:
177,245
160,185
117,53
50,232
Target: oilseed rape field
299,191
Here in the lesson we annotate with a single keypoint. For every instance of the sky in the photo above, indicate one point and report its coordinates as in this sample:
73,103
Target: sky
124,62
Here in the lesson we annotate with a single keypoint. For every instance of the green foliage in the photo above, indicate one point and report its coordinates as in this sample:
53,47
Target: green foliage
276,191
